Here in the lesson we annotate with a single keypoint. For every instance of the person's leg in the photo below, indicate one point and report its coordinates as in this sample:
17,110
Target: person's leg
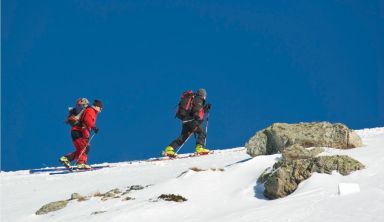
75,134
201,135
81,145
200,140
68,158
185,133
84,157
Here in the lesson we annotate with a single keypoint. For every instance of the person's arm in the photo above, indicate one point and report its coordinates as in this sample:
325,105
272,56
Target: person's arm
197,107
89,120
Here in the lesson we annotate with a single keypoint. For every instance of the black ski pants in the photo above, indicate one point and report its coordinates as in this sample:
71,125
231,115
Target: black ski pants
188,129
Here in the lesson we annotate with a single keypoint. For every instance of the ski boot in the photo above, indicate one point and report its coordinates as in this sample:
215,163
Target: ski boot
200,150
64,160
169,152
83,166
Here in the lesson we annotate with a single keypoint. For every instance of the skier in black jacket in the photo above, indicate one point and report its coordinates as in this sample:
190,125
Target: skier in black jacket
193,124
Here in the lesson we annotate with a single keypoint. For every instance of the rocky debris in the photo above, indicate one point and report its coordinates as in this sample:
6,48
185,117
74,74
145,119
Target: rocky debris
285,176
109,195
115,191
98,194
75,196
78,197
172,197
112,194
279,136
53,206
217,169
98,212
297,151
196,169
134,187
128,198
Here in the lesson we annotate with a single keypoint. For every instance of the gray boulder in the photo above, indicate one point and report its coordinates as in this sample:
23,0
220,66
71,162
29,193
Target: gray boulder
54,206
286,175
279,136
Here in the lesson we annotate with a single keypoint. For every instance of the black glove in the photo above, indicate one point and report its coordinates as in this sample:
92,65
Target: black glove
207,107
95,129
196,117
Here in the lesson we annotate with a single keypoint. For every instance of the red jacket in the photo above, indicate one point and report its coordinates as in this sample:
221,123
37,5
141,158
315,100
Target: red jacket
88,121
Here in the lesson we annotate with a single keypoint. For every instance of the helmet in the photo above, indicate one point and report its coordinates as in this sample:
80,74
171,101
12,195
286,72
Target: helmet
82,101
202,92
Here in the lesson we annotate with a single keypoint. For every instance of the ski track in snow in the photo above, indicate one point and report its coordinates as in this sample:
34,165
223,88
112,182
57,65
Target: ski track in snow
229,195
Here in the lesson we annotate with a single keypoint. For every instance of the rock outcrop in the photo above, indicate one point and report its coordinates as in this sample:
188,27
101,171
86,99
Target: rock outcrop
286,175
279,136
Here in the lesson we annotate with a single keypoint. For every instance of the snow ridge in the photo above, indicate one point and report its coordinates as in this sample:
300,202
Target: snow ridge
224,189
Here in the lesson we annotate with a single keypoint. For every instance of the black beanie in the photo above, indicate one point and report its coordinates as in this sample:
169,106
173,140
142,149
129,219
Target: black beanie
98,103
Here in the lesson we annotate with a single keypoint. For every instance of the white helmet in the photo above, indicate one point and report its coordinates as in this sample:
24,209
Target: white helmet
82,101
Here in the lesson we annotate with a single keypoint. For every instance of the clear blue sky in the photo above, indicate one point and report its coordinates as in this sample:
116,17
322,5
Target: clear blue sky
260,61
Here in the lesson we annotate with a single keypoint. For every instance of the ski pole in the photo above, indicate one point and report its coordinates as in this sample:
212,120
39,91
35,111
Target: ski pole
190,134
89,142
183,143
206,130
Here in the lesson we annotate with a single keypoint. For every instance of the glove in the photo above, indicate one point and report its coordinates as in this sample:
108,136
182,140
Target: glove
196,117
95,129
207,107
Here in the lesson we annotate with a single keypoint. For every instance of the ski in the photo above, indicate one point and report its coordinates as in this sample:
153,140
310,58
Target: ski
48,170
181,156
75,170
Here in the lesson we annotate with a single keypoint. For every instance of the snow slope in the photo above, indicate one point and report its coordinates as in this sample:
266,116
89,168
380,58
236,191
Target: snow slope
229,195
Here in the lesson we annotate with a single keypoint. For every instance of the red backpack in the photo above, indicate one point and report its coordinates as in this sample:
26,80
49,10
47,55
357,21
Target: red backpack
185,105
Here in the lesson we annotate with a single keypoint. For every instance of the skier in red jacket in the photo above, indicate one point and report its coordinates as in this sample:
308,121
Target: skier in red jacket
80,133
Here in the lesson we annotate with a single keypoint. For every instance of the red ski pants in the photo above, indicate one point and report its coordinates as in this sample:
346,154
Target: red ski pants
82,149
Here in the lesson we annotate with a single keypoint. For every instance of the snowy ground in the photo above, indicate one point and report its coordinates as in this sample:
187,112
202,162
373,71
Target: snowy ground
229,195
